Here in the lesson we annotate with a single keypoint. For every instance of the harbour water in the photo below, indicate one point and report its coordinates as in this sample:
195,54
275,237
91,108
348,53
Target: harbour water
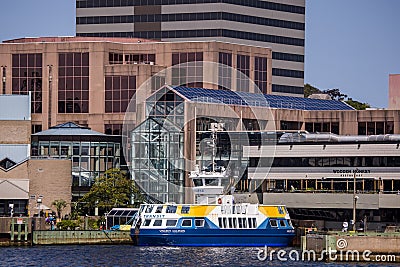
128,255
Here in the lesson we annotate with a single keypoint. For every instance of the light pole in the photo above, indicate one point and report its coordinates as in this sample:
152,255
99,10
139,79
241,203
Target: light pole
354,199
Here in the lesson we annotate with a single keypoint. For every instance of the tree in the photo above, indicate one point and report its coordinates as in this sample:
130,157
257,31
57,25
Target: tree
113,189
335,94
357,105
60,204
309,90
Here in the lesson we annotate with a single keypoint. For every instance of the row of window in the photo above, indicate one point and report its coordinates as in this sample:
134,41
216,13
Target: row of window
190,17
288,73
256,4
118,58
234,222
287,57
375,161
278,88
173,222
201,33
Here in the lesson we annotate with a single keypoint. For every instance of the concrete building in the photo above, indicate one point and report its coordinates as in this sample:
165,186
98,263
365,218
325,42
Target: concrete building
27,186
278,24
394,91
90,81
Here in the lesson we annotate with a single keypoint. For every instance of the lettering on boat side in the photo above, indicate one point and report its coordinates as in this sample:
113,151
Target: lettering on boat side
149,216
167,231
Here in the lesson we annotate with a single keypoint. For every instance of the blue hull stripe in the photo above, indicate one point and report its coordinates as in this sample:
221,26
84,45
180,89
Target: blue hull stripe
250,238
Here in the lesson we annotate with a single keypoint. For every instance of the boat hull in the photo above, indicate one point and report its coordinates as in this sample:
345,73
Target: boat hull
212,238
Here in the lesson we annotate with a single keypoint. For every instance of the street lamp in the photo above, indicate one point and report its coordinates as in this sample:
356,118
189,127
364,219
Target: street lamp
355,198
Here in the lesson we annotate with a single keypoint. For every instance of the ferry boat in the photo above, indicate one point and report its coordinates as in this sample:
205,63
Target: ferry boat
215,219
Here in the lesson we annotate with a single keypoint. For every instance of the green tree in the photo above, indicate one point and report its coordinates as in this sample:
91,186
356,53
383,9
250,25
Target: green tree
60,204
357,105
113,189
309,90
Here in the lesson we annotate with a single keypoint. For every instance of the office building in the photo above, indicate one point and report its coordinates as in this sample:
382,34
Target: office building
277,24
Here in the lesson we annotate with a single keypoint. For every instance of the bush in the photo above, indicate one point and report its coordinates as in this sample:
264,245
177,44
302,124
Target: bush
68,225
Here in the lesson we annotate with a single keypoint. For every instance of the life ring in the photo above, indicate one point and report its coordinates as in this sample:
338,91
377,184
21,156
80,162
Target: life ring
219,201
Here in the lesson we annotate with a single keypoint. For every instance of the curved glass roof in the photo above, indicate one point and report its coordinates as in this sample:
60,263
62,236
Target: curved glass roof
258,100
69,128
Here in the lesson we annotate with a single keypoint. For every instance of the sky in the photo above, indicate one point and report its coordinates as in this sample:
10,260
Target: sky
350,44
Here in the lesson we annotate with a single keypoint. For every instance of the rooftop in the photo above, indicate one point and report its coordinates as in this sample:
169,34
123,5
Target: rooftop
68,128
77,39
258,100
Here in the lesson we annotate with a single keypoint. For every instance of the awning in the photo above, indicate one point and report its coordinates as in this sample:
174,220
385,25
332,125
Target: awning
42,207
14,188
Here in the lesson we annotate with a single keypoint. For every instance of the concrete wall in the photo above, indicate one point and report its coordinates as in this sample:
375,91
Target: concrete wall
52,179
80,237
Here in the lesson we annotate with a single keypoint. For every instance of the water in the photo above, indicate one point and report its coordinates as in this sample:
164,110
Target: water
128,255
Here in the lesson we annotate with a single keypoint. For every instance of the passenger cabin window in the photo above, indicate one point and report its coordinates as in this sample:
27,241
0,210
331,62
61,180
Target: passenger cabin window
185,209
244,223
159,209
211,181
273,223
280,209
198,182
199,222
149,209
250,223
230,223
234,222
171,209
146,222
282,223
187,223
220,222
171,223
157,222
254,222
240,222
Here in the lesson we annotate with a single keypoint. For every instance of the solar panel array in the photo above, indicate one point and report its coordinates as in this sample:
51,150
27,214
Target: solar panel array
258,100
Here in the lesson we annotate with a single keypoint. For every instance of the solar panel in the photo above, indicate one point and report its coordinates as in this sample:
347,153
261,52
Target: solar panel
259,100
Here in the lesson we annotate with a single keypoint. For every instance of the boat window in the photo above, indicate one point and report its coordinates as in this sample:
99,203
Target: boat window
220,222
142,207
146,222
230,222
157,222
149,208
234,222
198,182
273,223
250,223
185,209
290,223
171,222
224,221
282,223
254,222
171,209
280,209
244,222
199,222
240,222
211,181
187,222
159,209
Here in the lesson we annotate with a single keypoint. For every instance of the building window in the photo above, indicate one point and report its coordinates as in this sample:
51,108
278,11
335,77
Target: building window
36,128
190,74
260,74
326,127
27,77
225,71
73,82
118,93
242,79
373,128
114,129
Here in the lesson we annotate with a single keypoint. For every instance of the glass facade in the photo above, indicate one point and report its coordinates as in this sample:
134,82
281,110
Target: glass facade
243,66
157,149
27,77
260,73
190,74
118,92
73,82
225,71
